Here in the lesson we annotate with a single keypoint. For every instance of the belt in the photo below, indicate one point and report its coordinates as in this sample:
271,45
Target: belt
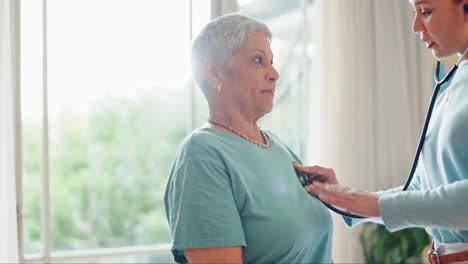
435,258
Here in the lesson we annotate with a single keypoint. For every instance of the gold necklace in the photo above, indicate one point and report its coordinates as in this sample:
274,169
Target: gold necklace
264,135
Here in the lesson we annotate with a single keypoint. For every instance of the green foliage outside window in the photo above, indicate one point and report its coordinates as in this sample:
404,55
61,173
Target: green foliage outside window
108,171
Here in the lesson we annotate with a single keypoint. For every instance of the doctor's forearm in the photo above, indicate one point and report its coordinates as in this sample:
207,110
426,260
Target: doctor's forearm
445,207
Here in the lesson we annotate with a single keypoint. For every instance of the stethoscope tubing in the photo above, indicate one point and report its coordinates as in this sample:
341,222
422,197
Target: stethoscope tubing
437,87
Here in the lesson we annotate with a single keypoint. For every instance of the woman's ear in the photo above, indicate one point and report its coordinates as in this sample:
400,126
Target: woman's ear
212,70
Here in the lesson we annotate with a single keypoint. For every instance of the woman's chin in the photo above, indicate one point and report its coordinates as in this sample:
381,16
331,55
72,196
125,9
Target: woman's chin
268,109
264,107
439,54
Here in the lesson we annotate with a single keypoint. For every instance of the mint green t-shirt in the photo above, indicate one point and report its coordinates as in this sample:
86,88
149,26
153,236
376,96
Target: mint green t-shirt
226,191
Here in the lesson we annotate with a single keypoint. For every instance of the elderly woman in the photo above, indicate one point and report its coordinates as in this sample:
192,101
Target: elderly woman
232,195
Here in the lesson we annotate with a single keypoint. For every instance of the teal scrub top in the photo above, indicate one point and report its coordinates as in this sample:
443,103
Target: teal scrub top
437,197
226,191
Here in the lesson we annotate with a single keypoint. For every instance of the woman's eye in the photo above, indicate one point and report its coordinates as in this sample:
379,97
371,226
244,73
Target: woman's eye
425,13
258,60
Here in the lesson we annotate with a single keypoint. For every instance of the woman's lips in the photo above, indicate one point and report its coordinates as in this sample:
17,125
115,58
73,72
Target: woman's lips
271,92
429,44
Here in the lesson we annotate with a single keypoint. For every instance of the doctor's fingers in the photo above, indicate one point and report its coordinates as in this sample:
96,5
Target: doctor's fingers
318,173
313,170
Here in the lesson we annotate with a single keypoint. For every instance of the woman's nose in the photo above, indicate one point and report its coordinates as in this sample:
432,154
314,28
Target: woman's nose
417,25
273,75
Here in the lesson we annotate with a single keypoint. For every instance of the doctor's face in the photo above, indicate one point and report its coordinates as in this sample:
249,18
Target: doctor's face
442,25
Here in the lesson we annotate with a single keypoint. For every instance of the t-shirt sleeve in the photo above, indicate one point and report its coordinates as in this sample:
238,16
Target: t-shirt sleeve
202,210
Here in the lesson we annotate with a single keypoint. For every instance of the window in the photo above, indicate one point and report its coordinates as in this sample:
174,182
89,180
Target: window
105,88
102,86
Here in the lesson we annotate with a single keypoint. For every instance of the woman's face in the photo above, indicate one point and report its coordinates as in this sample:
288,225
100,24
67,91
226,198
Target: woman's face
442,25
249,81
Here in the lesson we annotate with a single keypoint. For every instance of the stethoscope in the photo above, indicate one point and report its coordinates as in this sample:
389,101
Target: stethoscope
304,179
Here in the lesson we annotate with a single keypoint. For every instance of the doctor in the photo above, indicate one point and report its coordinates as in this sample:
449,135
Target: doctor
437,198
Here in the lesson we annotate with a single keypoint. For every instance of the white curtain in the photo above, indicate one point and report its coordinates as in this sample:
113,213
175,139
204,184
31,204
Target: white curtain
371,84
8,110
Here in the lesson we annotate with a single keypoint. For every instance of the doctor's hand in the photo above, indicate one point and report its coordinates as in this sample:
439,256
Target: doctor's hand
356,201
317,173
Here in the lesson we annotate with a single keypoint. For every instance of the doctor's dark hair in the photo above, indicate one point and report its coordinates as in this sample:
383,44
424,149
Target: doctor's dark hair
220,40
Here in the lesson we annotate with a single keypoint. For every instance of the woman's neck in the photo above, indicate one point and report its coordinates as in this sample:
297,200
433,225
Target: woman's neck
243,123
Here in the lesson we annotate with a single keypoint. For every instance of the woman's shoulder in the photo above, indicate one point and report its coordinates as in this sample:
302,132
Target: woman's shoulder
199,147
459,84
277,141
271,134
198,142
200,137
274,137
463,70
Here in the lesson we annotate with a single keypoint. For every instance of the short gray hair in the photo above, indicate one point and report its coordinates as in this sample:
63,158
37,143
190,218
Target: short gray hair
220,40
